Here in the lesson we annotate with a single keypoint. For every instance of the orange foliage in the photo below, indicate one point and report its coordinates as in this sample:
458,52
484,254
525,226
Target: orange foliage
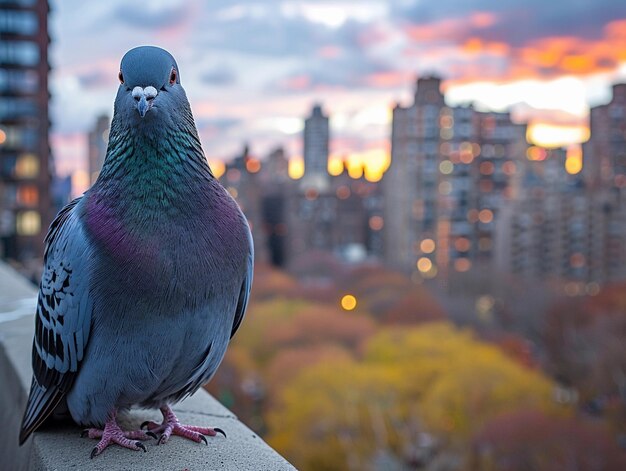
321,324
413,308
515,347
269,283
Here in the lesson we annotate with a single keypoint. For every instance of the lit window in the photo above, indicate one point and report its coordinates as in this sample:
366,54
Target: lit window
27,166
424,265
485,216
376,223
462,244
27,195
462,264
343,192
427,246
253,165
28,223
446,167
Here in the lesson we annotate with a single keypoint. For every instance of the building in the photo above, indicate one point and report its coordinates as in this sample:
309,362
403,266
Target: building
25,158
98,140
558,228
605,153
316,148
275,184
242,180
451,168
342,218
290,219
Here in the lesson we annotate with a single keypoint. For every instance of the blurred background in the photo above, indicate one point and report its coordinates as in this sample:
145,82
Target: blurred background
437,196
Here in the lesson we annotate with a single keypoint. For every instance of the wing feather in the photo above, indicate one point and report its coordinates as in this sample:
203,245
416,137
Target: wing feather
244,294
63,318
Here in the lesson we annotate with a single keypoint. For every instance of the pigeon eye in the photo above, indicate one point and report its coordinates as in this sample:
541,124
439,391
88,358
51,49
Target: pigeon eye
121,77
173,77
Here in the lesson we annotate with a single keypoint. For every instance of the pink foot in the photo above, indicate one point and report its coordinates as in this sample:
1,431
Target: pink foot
171,426
112,433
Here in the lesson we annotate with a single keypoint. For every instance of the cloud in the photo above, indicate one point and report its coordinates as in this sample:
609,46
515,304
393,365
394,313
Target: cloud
216,124
219,76
96,79
519,20
255,59
152,14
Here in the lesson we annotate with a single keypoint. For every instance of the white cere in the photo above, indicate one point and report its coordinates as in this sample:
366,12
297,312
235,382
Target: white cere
137,92
149,92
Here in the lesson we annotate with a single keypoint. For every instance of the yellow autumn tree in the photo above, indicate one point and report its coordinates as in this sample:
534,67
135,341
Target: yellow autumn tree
434,384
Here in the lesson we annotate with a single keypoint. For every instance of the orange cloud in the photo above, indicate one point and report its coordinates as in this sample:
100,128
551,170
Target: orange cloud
451,28
543,58
391,78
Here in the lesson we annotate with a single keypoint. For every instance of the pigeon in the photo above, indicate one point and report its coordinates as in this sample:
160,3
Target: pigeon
146,276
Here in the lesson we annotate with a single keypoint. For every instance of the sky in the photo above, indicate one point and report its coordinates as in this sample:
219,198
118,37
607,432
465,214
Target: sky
252,70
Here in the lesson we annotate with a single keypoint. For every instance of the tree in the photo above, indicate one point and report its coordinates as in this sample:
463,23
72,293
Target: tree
585,342
529,439
435,385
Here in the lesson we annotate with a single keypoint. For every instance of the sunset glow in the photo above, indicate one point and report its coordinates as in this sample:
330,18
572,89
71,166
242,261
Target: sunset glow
217,166
358,59
335,165
553,135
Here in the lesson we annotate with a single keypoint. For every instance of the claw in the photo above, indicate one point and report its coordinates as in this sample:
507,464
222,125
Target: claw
84,433
162,440
152,434
219,430
203,438
94,452
144,424
141,445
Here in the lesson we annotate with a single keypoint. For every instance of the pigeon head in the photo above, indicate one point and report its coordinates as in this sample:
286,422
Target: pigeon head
149,85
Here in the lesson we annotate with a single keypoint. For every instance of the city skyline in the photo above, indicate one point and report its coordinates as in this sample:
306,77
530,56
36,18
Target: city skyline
356,59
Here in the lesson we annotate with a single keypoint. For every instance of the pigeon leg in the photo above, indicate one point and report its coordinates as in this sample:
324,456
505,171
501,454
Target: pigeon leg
112,433
171,426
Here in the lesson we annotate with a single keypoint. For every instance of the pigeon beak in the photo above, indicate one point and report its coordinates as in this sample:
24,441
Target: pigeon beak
144,98
143,106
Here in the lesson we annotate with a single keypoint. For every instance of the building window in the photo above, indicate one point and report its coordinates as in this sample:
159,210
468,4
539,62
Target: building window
27,195
12,108
18,22
23,3
28,223
27,166
23,53
18,81
7,166
19,137
9,195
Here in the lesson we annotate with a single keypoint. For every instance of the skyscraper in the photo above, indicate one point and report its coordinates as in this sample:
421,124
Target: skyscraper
450,169
98,141
25,161
605,153
557,228
316,140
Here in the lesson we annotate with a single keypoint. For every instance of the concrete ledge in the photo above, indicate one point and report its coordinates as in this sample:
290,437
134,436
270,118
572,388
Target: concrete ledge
59,446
